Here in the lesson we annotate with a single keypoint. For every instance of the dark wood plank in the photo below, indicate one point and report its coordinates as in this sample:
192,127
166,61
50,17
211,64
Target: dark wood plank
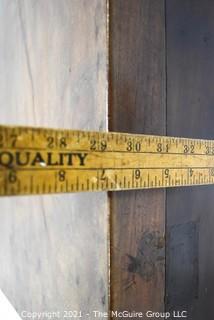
190,113
137,105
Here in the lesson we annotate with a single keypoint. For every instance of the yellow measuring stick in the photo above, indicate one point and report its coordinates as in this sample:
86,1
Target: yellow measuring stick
45,161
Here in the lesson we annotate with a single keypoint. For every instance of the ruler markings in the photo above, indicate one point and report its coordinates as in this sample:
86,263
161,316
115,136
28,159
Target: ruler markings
177,163
26,148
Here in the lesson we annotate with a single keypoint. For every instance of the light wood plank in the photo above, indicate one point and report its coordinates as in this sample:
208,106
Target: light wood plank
53,252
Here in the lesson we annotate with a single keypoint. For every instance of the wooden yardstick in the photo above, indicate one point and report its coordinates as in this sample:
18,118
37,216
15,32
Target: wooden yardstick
45,161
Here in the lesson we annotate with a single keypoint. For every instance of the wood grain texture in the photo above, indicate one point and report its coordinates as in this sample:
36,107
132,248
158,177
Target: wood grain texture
137,105
190,113
53,252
